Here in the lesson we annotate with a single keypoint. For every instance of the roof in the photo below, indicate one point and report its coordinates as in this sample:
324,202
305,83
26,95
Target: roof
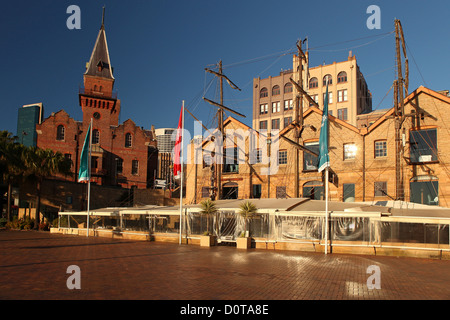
296,206
99,64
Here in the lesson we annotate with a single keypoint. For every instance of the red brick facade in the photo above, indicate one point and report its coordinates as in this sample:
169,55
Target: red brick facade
122,154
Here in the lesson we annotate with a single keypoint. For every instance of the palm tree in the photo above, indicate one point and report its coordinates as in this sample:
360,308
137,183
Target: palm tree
41,164
208,208
247,210
11,164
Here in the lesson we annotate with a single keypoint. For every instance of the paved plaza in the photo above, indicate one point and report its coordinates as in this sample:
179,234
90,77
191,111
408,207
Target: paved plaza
33,265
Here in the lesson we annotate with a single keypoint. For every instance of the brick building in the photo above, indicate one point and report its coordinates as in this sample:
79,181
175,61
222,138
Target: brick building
122,154
362,159
349,96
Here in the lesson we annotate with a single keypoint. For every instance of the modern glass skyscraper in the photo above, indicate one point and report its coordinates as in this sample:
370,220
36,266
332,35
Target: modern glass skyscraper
28,117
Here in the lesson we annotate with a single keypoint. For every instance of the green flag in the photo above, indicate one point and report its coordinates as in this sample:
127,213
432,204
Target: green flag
324,159
84,172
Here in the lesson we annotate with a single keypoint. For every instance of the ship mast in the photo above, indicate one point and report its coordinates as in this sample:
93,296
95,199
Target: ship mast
217,168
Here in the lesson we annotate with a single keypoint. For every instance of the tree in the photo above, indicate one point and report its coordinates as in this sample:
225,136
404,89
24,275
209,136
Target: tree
11,164
208,208
247,210
41,164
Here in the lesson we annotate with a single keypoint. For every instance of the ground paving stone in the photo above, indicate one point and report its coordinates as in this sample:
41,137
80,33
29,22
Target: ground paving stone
33,266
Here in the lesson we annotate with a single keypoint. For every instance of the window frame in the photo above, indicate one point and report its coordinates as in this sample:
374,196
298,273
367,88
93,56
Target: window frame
377,150
60,133
128,140
263,93
276,90
313,83
342,77
282,157
349,154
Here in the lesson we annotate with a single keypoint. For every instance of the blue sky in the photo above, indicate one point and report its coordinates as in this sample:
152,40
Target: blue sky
159,50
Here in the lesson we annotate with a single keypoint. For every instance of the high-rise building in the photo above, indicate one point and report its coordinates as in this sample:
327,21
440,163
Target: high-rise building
349,96
28,117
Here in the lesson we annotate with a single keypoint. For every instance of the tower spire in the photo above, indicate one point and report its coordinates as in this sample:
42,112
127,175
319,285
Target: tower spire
103,18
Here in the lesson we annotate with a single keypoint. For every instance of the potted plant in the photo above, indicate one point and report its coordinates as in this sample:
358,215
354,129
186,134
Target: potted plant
247,210
208,208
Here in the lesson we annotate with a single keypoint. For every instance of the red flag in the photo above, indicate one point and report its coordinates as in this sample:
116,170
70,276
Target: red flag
177,149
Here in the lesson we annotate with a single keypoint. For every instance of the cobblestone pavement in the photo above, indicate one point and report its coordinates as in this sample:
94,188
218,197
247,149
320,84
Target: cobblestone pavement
33,265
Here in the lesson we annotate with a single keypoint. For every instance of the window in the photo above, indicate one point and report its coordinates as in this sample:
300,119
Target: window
276,90
349,192
256,191
425,190
380,188
119,165
275,107
342,95
94,163
282,157
313,190
257,156
68,156
342,77
263,125
281,192
330,97
310,161
263,108
349,151
287,121
60,132
288,87
230,161
329,78
288,104
128,140
380,149
315,97
313,83
275,124
95,136
423,145
342,114
263,93
135,167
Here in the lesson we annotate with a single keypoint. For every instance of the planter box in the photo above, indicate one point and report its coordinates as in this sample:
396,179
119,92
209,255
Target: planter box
207,241
243,243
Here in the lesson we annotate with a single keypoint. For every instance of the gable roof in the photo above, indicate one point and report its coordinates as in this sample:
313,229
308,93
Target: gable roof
407,100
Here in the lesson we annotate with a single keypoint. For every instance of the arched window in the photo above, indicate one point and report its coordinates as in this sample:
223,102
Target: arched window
288,87
329,78
263,93
95,136
276,90
128,140
95,87
313,83
60,132
342,77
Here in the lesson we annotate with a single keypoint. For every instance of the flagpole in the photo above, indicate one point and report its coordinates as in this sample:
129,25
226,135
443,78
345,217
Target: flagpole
182,170
326,209
89,178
